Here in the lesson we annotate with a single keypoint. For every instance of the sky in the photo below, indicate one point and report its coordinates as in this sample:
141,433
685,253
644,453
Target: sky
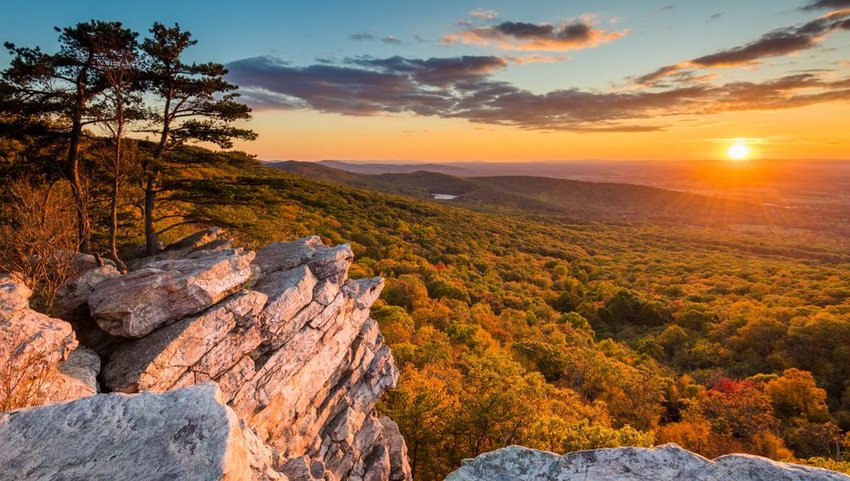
456,80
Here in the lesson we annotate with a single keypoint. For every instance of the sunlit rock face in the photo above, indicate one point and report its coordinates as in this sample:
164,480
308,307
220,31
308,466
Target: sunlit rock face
283,334
663,463
41,360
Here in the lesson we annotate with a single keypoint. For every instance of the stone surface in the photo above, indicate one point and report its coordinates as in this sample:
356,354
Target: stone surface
73,296
14,294
397,448
283,333
296,356
138,302
40,361
186,434
79,373
664,463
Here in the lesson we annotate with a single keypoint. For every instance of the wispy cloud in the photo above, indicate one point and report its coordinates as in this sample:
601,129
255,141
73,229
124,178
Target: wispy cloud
783,41
483,14
361,36
826,4
391,39
529,59
570,35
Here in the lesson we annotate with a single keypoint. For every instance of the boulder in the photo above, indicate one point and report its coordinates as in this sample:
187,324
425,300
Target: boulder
40,361
198,348
73,296
138,302
186,434
664,463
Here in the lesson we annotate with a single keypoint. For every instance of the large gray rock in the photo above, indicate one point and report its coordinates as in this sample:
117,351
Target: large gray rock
663,463
136,303
198,348
186,434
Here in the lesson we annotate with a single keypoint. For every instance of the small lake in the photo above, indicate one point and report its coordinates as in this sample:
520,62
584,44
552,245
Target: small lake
443,196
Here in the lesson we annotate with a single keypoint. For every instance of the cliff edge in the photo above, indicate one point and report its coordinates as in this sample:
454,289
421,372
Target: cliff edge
240,364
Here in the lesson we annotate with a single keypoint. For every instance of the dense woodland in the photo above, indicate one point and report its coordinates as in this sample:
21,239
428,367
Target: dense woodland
507,328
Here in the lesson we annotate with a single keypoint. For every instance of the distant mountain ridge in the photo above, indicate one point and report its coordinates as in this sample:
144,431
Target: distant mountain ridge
575,200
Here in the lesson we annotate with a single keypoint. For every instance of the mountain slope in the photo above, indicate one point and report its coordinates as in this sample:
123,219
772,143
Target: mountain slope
575,200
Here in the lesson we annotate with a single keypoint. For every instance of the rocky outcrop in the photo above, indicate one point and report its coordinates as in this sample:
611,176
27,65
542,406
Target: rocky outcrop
184,434
72,297
283,333
664,463
40,358
161,292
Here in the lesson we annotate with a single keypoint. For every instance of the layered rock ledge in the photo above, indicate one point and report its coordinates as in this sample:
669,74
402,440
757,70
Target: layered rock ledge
282,336
664,463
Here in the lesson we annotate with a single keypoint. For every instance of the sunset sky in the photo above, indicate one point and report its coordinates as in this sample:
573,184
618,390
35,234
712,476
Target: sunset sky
507,80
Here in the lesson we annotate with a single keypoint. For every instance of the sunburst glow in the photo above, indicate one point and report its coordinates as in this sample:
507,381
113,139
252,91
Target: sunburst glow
738,151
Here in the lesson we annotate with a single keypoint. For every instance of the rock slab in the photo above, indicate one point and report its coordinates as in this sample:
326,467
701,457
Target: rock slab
41,360
663,463
185,434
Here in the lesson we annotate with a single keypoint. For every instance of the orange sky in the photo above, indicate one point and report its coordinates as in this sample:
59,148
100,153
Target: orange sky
815,132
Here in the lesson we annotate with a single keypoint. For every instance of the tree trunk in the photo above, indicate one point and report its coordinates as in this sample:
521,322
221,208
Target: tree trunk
83,224
113,224
151,246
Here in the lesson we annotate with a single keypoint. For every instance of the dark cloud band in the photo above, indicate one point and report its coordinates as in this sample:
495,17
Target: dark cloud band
462,87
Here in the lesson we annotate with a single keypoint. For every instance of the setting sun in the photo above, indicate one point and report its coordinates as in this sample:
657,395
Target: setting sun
738,151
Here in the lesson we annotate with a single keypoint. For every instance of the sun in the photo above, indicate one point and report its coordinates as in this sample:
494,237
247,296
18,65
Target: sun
738,151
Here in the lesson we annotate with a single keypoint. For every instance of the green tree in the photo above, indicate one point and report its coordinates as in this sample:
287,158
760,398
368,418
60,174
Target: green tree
193,104
61,89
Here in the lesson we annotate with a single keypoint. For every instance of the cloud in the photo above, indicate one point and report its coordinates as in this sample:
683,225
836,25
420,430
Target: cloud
482,14
529,59
778,42
783,41
827,4
569,35
362,36
391,39
463,88
437,72
716,16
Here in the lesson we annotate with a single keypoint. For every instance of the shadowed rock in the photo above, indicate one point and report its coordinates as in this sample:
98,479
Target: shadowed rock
185,434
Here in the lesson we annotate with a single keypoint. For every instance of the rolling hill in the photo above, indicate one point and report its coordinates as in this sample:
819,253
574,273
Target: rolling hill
569,199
